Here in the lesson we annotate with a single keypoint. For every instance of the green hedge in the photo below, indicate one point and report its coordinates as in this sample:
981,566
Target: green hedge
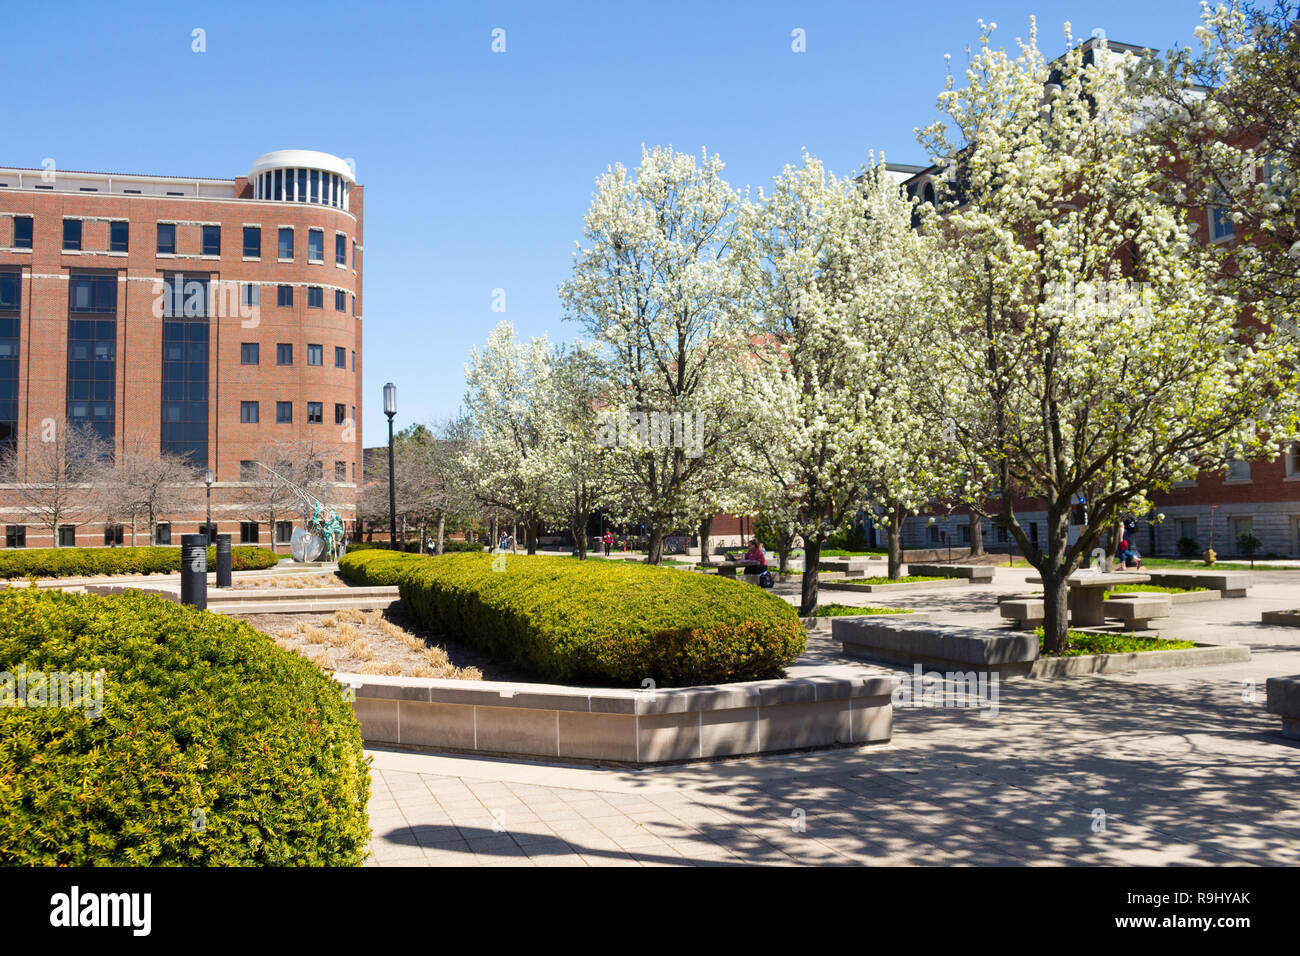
413,547
83,562
606,622
214,746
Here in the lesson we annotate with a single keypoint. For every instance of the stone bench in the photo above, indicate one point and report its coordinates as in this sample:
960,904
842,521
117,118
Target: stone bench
1026,612
1230,584
893,641
1283,699
975,573
849,565
1137,610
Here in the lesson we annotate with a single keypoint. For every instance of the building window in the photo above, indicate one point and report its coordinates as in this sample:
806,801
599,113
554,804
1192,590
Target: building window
166,239
250,294
212,240
248,470
252,242
248,353
315,296
92,352
248,413
112,535
185,389
1238,470
209,531
284,353
315,245
354,255
283,412
1187,529
71,235
1220,223
340,301
314,470
1292,458
162,534
248,532
1238,526
119,236
315,354
10,305
340,357
340,413
284,296
286,243
67,536
186,296
15,536
340,471
22,232
340,249
354,364
283,532
315,413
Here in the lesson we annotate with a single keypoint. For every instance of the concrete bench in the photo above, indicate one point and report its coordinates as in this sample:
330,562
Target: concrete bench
1026,613
857,564
1231,584
1136,611
885,638
1283,699
975,573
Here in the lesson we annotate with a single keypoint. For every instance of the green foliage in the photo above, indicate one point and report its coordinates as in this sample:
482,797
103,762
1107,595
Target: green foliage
214,747
1142,588
845,553
87,562
413,547
848,610
881,579
1248,543
1188,548
609,622
1079,643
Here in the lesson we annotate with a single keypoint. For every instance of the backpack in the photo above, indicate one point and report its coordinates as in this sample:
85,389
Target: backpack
765,579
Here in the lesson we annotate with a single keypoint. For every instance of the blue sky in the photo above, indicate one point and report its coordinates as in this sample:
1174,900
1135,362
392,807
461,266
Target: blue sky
479,166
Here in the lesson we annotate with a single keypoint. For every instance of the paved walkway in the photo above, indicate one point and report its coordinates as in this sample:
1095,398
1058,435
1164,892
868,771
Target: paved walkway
1165,767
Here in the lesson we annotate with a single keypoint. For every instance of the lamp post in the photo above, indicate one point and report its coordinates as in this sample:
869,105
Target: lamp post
390,409
207,530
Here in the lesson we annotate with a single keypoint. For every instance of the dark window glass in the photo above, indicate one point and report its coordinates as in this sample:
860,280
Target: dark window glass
248,532
302,185
119,235
314,470
286,243
315,245
67,536
341,249
185,296
212,240
10,294
283,412
92,352
340,413
315,354
23,233
252,241
185,389
315,296
340,301
96,292
248,470
315,413
10,291
248,353
340,357
162,534
112,535
284,353
354,255
166,238
283,532
277,191
315,185
340,471
72,234
250,294
15,536
248,413
284,296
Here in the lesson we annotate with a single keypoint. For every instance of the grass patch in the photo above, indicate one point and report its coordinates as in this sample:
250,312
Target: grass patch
1140,588
906,579
1195,564
842,553
847,610
1079,643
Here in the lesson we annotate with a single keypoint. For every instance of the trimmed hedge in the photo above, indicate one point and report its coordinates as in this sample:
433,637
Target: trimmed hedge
605,622
214,747
84,562
413,547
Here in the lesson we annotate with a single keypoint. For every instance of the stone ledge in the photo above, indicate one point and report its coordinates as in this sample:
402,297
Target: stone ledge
625,727
1230,584
1202,655
894,586
1281,618
976,573
1010,653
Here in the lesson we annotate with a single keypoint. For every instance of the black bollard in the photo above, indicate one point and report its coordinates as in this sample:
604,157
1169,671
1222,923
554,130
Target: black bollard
223,560
194,570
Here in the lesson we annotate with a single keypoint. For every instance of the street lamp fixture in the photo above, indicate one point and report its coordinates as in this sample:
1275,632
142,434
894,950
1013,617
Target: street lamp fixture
390,409
207,480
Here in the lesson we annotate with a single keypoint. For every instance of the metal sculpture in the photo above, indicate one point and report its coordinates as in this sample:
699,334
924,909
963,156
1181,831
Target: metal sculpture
324,532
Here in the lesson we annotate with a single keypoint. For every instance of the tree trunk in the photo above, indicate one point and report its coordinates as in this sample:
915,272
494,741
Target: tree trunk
895,517
705,526
976,535
1056,611
656,549
808,584
531,528
493,540
442,531
783,543
133,531
579,530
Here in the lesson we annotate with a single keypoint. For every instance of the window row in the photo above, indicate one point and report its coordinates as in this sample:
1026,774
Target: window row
115,534
313,470
250,413
303,185
250,354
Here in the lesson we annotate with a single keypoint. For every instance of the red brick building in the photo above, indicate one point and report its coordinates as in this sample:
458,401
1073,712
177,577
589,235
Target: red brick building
208,318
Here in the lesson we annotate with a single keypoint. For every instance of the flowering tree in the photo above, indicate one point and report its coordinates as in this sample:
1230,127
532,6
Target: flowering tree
1089,356
657,289
839,282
